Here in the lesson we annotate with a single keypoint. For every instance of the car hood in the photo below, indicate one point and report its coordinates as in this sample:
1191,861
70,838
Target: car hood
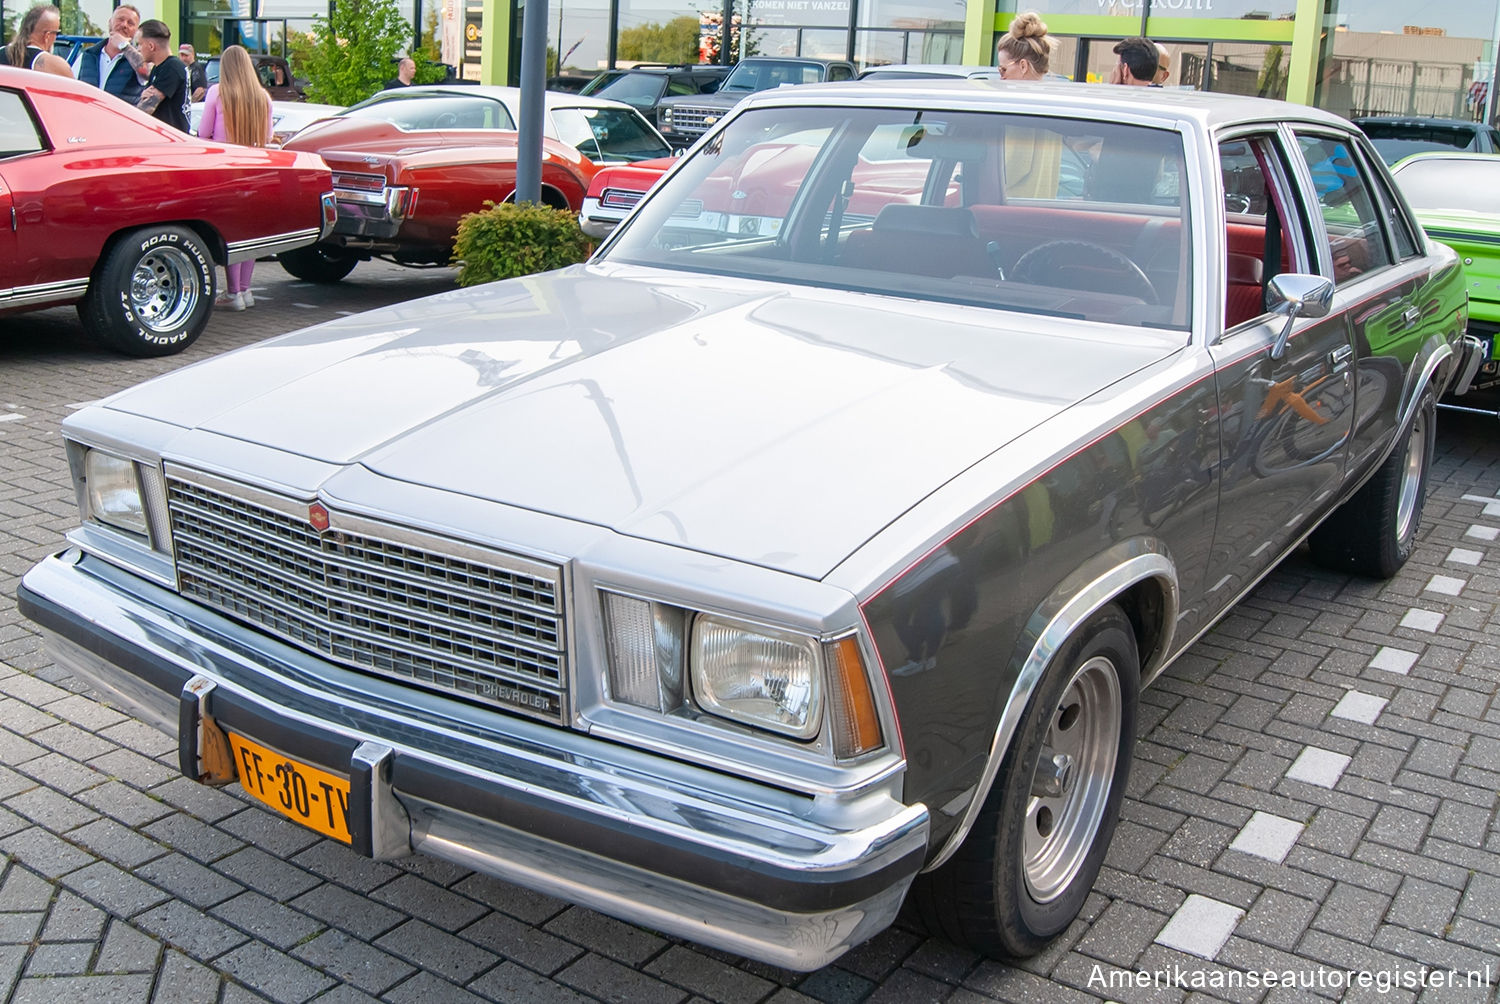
782,426
716,99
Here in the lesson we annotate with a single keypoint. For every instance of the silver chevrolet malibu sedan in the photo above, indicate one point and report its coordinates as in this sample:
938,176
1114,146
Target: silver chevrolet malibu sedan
805,551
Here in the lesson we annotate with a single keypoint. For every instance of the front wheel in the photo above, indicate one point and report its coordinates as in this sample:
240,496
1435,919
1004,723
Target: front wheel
152,292
1375,532
316,263
1026,868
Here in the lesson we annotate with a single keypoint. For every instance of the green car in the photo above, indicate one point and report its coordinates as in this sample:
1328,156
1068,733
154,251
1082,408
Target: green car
1456,197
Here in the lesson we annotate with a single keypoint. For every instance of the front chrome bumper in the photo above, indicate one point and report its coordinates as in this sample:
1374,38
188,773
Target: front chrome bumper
691,852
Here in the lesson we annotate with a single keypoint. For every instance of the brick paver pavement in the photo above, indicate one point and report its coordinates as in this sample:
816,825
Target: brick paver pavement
1314,794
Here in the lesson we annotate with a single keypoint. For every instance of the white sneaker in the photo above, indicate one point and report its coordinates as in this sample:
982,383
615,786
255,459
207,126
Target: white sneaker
249,298
230,301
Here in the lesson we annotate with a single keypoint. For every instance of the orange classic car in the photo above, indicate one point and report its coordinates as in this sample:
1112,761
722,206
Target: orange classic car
127,217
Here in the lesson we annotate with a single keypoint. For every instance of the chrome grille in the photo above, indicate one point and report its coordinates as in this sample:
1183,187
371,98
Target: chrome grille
686,118
480,624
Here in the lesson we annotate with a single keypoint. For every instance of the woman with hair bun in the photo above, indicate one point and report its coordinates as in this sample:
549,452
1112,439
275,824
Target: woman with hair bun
1033,157
1024,52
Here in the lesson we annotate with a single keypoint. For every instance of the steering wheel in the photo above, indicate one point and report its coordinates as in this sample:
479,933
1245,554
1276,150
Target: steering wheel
1084,265
445,120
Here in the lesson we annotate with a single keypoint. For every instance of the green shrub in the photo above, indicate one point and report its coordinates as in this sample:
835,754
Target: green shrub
507,240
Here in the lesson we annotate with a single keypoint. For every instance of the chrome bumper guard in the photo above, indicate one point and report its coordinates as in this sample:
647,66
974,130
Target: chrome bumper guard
373,214
714,859
1473,353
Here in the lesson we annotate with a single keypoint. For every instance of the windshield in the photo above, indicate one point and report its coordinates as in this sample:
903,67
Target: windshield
1394,140
609,135
1452,184
758,75
639,89
435,112
1066,217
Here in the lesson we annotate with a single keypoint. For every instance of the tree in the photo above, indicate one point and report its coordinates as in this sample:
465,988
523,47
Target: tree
355,50
75,21
673,42
429,51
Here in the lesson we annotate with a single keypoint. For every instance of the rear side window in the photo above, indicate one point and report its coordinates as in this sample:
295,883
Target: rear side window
18,131
1351,217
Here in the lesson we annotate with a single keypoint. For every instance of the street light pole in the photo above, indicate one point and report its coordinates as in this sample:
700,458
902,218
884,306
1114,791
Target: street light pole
533,102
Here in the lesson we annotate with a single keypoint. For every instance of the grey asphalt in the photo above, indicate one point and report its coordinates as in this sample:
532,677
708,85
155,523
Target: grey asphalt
1313,797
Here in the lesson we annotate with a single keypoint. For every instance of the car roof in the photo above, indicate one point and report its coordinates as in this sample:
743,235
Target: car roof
1416,120
659,68
1160,106
509,96
933,69
1460,155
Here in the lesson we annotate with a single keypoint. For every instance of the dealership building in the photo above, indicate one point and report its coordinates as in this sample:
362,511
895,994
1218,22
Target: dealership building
1354,57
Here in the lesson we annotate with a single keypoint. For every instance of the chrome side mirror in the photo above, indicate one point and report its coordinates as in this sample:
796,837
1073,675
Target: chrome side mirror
1296,294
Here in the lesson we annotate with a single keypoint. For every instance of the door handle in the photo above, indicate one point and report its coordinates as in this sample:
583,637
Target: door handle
1339,356
1410,316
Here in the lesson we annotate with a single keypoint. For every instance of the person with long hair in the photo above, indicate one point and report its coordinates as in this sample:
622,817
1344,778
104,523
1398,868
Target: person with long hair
237,110
32,47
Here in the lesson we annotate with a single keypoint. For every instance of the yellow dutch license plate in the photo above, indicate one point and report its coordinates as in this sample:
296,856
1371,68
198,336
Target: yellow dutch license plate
313,797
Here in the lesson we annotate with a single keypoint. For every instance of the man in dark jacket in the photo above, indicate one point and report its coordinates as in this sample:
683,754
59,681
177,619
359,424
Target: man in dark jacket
113,63
167,94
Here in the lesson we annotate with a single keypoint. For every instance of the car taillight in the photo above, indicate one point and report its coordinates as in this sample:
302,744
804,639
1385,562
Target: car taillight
620,198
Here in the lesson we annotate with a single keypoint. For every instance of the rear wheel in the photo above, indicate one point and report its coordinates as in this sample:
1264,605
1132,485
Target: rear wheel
317,263
1375,532
152,292
1025,870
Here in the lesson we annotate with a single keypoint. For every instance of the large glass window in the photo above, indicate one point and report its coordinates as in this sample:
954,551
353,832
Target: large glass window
1397,59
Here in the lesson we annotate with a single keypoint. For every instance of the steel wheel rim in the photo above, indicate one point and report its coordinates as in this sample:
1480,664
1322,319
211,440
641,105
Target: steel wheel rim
1060,828
1411,477
164,289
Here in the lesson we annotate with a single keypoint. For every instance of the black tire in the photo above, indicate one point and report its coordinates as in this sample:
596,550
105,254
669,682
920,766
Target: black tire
1375,532
151,293
1016,882
318,263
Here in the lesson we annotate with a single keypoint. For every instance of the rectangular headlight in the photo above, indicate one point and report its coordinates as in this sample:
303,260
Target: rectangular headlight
757,675
113,490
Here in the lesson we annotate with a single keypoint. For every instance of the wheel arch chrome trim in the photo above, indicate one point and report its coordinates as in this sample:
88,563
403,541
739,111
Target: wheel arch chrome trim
1059,625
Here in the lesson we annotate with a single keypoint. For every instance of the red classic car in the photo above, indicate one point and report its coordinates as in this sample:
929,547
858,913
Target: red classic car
127,217
409,162
726,204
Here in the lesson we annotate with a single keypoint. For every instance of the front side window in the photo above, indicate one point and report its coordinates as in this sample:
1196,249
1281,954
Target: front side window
1023,212
1356,241
1262,238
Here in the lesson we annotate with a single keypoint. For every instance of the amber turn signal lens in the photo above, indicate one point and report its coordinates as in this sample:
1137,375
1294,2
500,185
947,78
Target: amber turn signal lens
855,721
